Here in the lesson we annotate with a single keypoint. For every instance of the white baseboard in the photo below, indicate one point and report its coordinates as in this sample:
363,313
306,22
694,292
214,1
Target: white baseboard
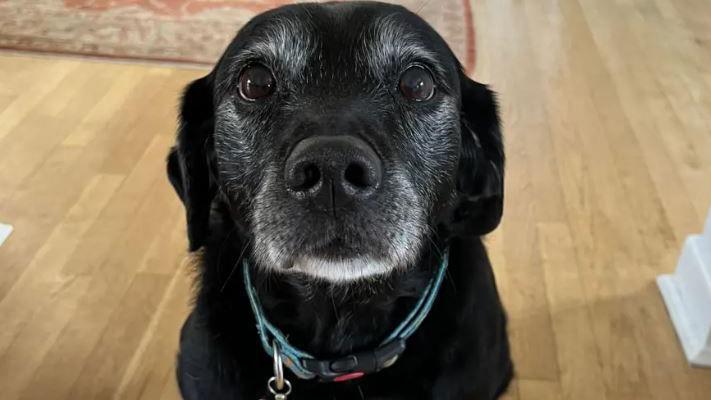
687,294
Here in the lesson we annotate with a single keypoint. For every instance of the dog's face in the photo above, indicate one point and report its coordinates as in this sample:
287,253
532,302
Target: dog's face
343,136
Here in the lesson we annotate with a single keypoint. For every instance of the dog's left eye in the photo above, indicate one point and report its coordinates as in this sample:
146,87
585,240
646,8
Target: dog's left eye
416,83
256,82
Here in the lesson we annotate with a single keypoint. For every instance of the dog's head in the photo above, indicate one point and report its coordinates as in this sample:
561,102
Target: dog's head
343,136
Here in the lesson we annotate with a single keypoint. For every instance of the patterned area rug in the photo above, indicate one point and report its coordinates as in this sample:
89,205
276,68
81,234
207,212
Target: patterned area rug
192,31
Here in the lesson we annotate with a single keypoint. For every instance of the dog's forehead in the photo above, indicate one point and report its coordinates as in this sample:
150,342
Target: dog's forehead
344,36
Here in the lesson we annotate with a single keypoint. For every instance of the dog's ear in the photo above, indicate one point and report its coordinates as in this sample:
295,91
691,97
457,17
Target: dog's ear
480,177
188,161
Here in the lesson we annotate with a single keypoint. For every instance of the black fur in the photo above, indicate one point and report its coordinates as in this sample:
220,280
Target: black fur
460,352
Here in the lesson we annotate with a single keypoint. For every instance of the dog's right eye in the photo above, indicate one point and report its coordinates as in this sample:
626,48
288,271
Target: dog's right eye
256,82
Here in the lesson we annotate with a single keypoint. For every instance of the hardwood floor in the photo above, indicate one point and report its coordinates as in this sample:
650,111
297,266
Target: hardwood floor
607,113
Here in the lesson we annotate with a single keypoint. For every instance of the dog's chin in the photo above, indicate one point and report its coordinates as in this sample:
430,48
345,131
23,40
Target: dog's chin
341,270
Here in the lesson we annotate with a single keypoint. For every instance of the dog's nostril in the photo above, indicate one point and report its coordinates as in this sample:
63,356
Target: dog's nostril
357,176
306,177
311,176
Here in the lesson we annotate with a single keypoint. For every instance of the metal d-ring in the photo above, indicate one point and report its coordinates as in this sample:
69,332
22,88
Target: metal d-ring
278,378
278,392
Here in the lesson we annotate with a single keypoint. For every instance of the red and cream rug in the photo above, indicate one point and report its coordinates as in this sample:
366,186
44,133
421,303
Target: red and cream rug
191,31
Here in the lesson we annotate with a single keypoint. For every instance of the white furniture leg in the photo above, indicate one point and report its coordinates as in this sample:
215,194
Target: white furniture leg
5,231
687,294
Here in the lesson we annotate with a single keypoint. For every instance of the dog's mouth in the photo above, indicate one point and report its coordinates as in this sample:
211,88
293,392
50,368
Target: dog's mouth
331,247
337,252
337,247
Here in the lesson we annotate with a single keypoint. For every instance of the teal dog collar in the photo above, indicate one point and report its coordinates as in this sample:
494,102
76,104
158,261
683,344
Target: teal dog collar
351,366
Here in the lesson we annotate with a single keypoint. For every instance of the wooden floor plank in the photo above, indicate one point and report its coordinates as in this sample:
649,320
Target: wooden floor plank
578,357
116,266
154,360
530,327
532,389
35,288
110,357
25,353
29,97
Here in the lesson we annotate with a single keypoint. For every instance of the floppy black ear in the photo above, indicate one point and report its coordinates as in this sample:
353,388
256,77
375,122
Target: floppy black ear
480,178
188,166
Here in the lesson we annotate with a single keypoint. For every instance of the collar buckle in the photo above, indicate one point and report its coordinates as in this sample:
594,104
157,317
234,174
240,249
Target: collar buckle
355,365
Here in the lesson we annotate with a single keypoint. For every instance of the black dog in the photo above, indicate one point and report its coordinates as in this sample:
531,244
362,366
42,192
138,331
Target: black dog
339,151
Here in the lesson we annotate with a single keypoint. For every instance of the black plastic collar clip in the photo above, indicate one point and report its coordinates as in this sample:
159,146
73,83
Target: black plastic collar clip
356,365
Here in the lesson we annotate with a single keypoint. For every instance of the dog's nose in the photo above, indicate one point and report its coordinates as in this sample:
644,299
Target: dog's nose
332,170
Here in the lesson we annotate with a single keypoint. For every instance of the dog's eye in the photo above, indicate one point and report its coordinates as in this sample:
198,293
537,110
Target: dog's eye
416,83
256,82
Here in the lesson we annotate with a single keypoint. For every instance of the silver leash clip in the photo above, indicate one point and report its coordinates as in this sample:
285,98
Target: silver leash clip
277,385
